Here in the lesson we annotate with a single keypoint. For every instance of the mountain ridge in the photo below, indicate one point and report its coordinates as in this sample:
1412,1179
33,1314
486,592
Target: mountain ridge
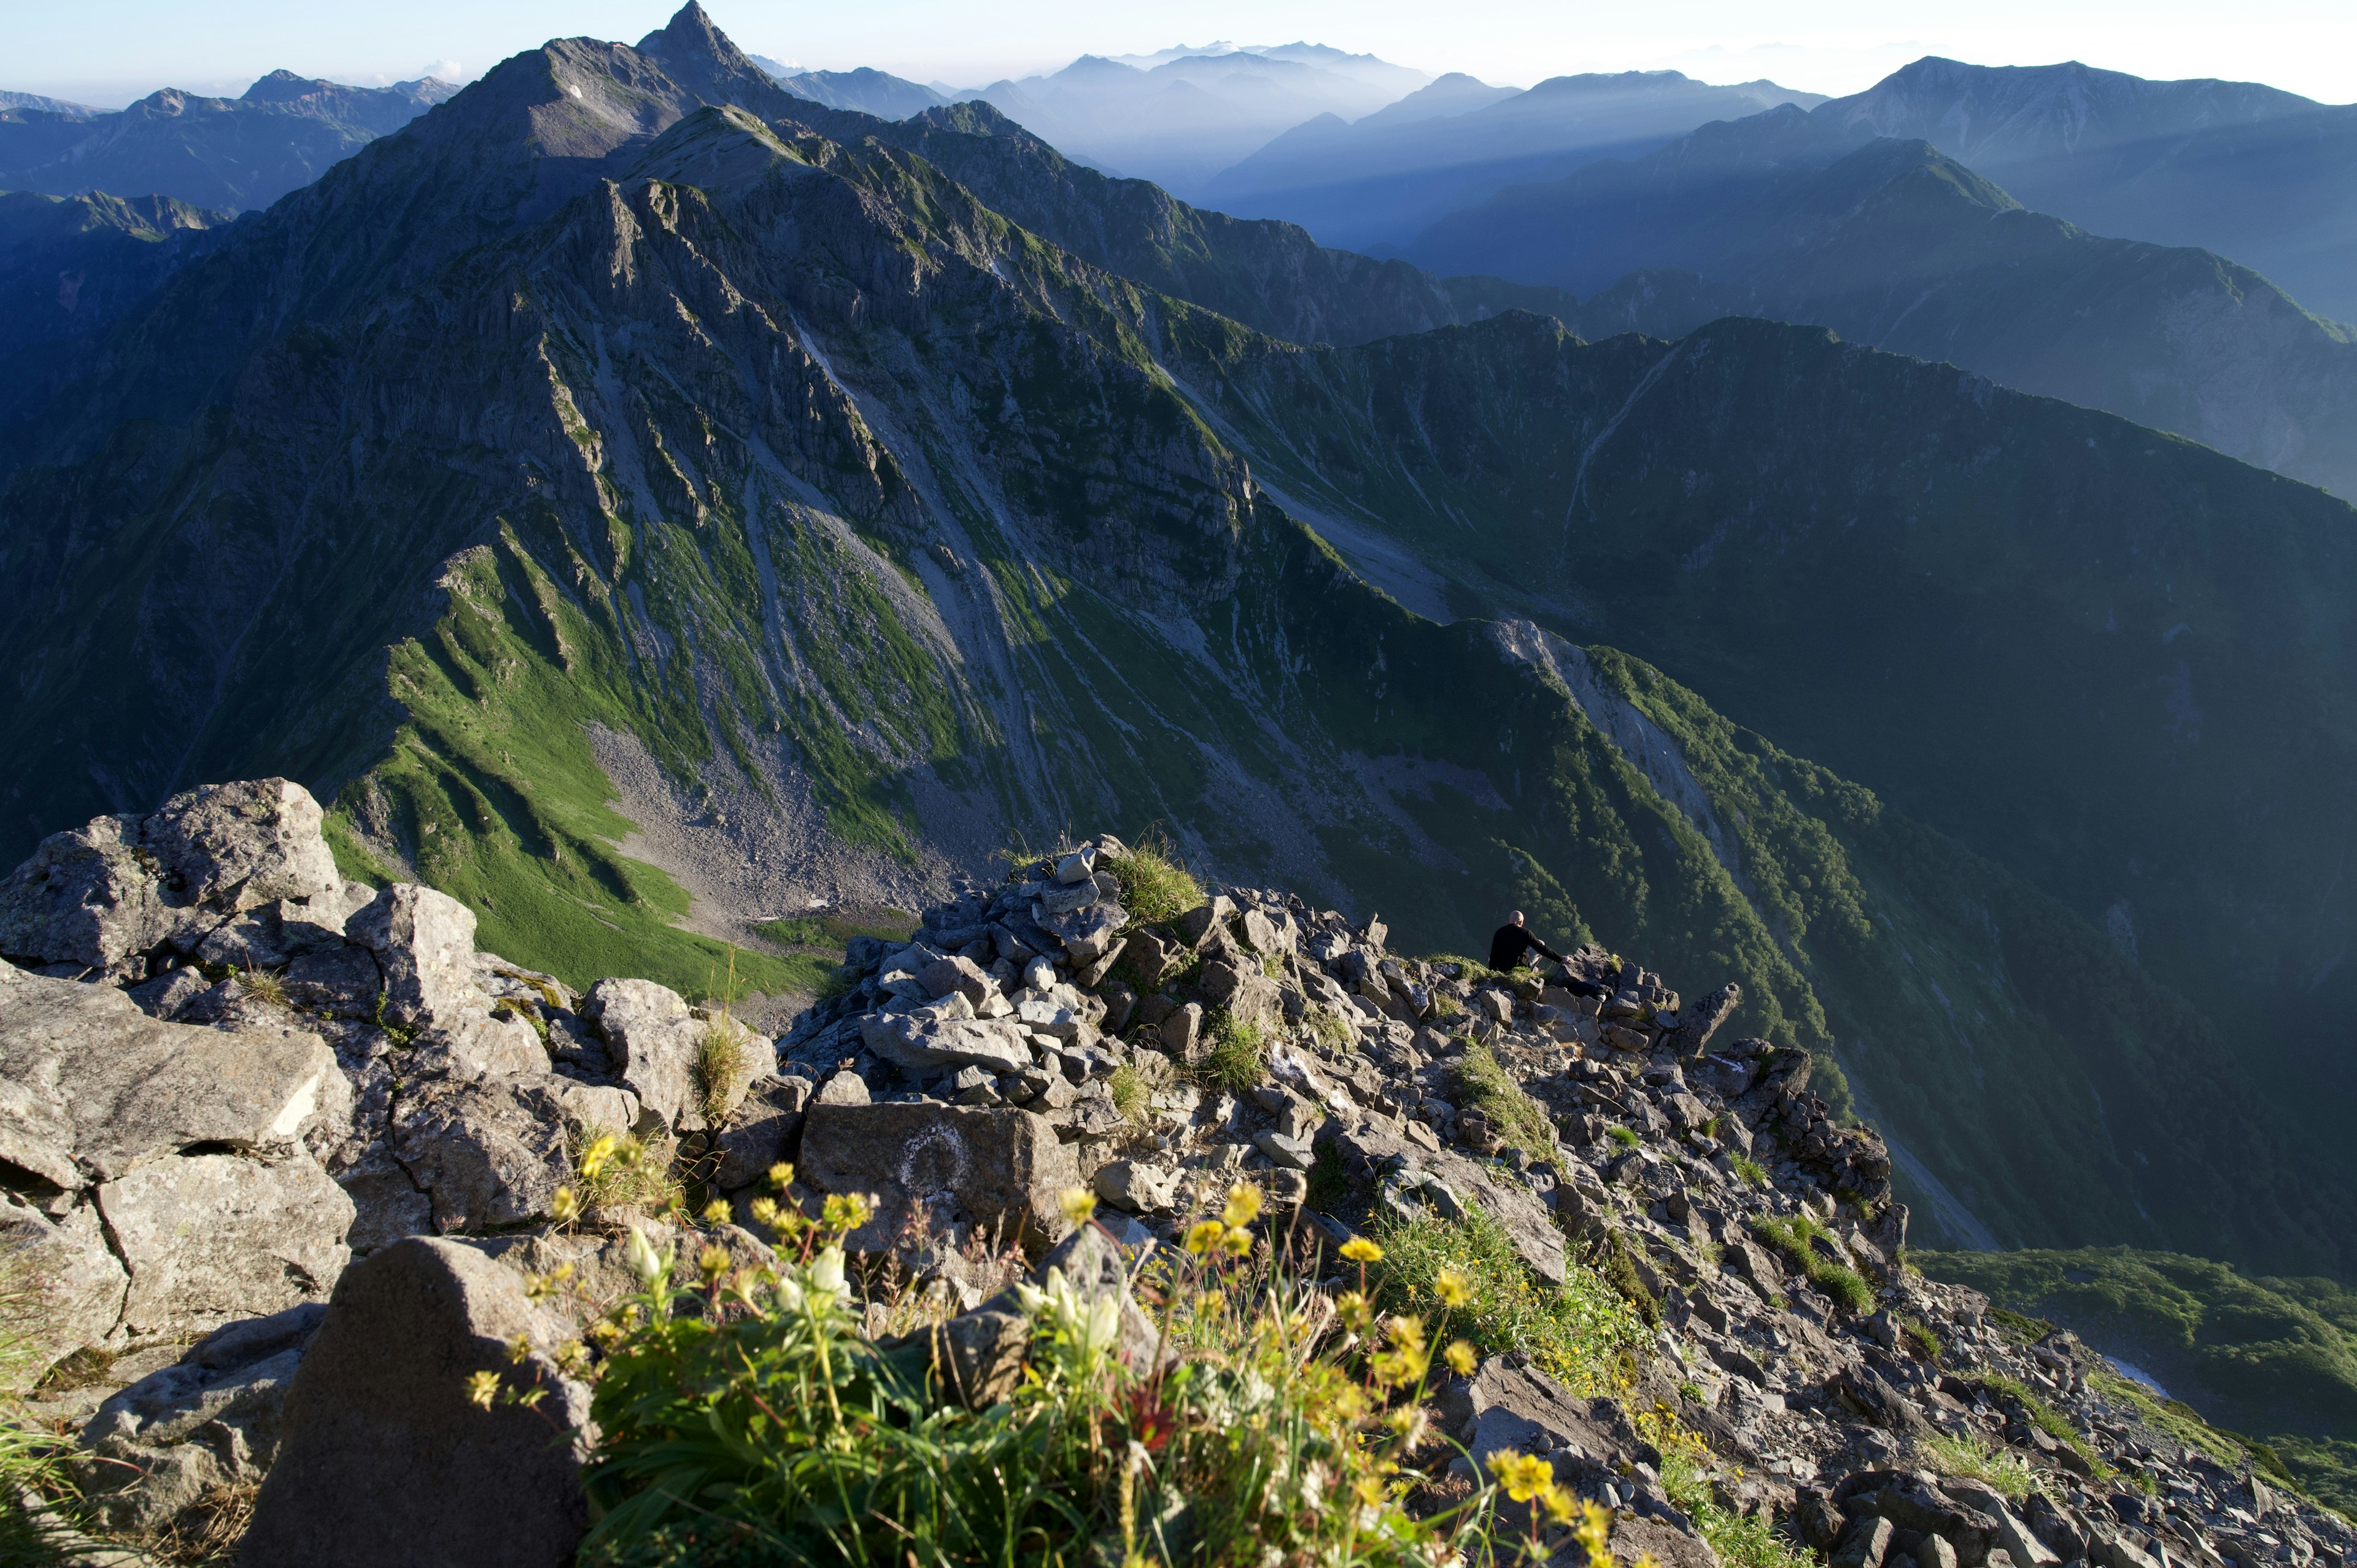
781,458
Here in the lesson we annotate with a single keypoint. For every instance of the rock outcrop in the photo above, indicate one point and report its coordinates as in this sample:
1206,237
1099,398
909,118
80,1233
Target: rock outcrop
200,1147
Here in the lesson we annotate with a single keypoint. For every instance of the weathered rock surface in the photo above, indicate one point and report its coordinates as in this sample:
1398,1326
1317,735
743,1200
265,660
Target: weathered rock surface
487,1153
211,1238
94,1088
652,1041
424,946
104,895
384,1463
1000,1171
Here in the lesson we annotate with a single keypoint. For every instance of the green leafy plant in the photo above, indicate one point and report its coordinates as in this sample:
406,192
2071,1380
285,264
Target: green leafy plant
722,1065
741,1420
1131,1096
1483,1084
34,1486
1238,1058
1971,1456
263,986
619,1178
1154,885
1796,1238
1750,1170
1582,1333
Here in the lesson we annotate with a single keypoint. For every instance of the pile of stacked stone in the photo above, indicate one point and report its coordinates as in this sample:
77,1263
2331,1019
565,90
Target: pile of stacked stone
288,1148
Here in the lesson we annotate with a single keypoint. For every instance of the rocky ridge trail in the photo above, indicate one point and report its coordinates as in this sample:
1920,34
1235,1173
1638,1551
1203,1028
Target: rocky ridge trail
365,1140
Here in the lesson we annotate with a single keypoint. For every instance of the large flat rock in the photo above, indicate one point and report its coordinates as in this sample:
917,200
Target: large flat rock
92,1088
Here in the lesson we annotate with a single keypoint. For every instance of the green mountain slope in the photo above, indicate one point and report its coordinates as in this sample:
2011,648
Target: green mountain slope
842,529
2276,1358
2041,629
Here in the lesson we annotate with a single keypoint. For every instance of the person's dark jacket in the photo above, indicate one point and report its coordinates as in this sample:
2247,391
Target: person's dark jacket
1507,948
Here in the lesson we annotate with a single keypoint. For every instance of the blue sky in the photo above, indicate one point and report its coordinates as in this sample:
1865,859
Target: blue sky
108,51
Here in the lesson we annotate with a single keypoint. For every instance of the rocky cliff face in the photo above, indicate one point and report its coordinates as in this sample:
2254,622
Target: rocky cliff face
361,1077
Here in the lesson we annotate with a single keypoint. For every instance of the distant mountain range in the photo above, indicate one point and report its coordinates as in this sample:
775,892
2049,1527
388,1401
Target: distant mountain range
47,105
1808,218
1181,122
1378,181
868,91
2265,176
230,154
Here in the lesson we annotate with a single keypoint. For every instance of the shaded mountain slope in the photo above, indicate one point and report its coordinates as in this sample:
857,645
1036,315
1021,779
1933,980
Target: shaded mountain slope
782,469
2247,171
2011,580
228,153
1896,245
71,265
2276,1358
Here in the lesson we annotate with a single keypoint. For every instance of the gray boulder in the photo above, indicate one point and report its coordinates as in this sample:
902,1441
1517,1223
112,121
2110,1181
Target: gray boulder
106,894
209,1238
386,1201
1137,1186
929,1040
238,846
997,1169
83,1282
425,944
477,1044
1372,1148
765,1130
342,982
652,1041
384,1462
487,1153
92,1088
210,1421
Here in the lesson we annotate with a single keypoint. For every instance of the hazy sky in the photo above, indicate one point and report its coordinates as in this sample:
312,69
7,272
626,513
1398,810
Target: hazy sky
110,51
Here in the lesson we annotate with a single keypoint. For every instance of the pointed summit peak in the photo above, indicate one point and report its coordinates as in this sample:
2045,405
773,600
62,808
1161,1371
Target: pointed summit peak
692,34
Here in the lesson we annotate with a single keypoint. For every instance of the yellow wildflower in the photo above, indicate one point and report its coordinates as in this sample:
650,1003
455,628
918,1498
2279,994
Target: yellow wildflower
1359,1250
1461,1359
482,1388
1243,1204
1078,1204
781,1176
1524,1476
1451,1288
1204,1235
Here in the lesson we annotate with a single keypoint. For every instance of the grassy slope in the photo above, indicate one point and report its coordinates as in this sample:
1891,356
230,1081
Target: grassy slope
2277,1358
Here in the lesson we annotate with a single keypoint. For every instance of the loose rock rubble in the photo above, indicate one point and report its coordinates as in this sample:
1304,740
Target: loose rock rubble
225,1075
1663,1146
